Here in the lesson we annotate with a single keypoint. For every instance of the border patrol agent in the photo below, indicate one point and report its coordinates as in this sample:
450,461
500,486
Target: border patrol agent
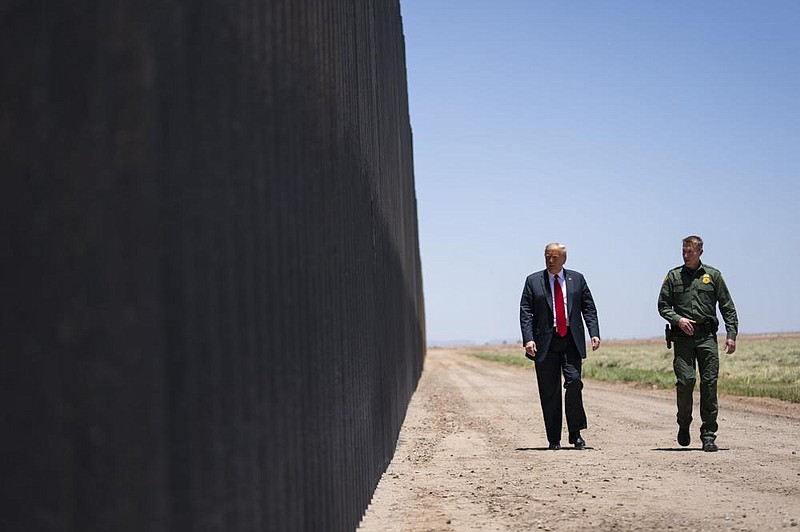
688,301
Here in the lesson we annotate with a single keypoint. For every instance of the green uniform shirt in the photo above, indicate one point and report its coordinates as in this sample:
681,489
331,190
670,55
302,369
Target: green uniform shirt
694,295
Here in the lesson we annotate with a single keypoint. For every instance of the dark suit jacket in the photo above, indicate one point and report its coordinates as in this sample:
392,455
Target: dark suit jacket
536,311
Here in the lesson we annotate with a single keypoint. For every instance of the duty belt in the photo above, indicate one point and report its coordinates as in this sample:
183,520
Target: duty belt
708,327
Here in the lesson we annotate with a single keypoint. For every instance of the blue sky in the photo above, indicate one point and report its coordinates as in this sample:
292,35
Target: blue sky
616,128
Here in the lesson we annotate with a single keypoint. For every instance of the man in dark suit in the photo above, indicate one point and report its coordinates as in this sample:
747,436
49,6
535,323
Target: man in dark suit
555,303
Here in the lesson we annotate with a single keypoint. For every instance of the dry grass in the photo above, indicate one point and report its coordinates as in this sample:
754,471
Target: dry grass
763,365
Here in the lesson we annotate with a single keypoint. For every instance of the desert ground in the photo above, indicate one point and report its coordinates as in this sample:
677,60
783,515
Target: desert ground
472,455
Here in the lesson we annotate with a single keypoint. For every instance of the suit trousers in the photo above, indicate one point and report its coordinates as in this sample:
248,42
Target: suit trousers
562,357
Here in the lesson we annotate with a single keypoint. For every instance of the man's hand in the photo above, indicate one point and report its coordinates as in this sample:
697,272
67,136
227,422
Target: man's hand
730,346
687,326
530,348
595,343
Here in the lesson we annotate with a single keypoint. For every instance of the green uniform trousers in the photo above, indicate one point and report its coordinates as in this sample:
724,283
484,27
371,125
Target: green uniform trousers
690,354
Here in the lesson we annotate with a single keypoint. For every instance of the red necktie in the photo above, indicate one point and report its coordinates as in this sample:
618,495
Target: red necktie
561,315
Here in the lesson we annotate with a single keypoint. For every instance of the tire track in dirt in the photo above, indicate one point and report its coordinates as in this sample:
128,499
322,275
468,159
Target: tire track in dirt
472,456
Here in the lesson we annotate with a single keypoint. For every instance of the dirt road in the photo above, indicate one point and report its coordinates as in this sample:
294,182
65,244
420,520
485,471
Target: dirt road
472,455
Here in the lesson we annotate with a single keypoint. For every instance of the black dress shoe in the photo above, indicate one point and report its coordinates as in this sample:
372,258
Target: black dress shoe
710,447
576,440
554,446
684,438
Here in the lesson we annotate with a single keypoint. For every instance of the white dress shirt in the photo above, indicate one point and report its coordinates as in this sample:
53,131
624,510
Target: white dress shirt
563,282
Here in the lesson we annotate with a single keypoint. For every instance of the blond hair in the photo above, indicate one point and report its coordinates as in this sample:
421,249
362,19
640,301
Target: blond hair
561,247
695,241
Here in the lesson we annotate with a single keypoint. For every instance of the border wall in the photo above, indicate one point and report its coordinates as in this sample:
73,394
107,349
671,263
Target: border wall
211,316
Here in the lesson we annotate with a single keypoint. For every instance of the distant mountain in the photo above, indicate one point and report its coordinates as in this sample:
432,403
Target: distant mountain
455,343
450,343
